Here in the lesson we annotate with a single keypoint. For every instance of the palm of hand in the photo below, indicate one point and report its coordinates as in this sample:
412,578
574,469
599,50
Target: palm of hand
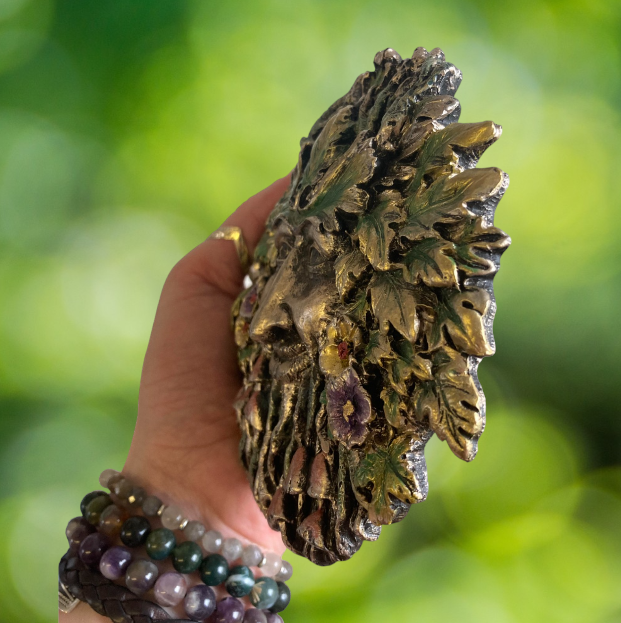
185,445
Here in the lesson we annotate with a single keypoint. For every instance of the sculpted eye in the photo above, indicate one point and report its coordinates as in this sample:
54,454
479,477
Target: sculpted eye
284,244
316,259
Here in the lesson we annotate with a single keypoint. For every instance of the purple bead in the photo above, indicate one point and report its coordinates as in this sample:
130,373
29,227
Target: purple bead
272,617
229,610
77,530
170,589
255,616
200,602
114,562
92,548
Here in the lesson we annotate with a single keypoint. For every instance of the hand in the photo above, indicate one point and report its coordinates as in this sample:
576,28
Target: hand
185,446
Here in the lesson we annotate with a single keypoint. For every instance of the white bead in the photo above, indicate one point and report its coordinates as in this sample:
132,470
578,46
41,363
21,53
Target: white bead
231,549
285,573
272,564
251,556
105,476
172,518
212,541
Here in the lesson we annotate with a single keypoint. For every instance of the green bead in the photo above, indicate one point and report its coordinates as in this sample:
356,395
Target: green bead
264,593
88,498
161,543
135,531
214,570
240,581
187,557
93,510
283,599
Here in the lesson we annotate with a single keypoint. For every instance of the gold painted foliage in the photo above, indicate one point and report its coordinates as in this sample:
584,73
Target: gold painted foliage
389,174
382,474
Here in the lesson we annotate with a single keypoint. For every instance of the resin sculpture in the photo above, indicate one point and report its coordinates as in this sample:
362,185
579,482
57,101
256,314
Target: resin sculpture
369,309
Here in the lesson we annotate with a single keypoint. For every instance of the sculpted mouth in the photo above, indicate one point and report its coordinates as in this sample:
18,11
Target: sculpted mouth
288,359
287,350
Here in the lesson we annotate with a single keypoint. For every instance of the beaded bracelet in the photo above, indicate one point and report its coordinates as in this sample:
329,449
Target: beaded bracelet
268,595
172,518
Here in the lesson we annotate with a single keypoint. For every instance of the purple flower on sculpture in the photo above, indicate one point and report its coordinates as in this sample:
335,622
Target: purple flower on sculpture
249,302
349,408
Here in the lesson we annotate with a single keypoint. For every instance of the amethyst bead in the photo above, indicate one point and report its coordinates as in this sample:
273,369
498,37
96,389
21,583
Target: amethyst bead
92,548
200,602
114,562
77,530
255,616
141,576
170,589
229,610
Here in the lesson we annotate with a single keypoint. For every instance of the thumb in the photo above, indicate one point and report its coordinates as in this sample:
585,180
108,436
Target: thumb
215,262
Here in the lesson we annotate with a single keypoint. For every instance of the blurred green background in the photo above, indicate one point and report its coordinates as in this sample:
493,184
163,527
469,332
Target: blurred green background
130,129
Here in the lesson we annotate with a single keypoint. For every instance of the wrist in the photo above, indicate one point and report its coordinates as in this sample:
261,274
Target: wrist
228,508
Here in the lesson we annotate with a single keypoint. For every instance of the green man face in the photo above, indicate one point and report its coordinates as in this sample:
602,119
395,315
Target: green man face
370,307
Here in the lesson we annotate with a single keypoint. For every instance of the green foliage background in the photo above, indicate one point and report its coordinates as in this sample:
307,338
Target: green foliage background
130,129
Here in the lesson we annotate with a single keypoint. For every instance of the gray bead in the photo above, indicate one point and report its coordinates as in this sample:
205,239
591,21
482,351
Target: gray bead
212,541
251,556
285,573
141,576
194,531
122,488
106,475
137,496
151,505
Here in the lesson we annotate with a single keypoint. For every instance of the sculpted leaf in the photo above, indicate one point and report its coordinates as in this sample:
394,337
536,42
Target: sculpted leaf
455,147
338,189
436,108
378,348
394,303
407,364
478,247
403,122
382,474
329,144
376,230
446,200
358,306
394,408
462,314
348,268
430,261
451,404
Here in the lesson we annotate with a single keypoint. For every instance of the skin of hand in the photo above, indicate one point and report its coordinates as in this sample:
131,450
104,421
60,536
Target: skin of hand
185,445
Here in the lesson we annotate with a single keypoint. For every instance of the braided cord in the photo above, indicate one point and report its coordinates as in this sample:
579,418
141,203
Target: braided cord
105,597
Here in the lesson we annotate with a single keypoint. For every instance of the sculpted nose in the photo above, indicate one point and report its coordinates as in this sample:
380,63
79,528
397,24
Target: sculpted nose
272,316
